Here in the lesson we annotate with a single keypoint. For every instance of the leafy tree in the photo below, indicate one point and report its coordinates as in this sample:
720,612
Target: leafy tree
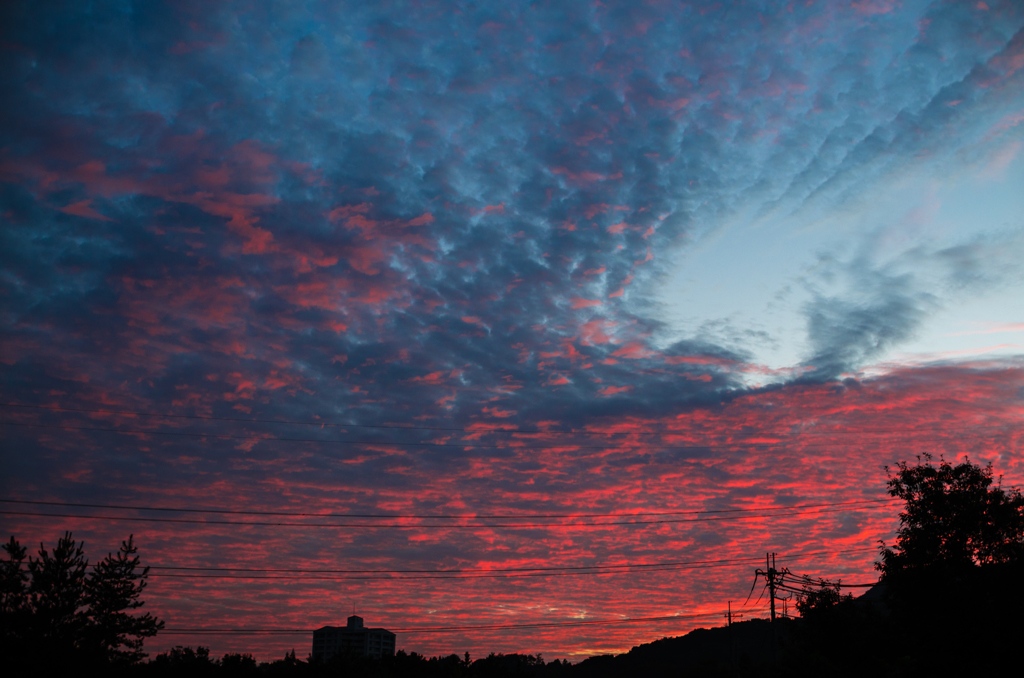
953,517
956,570
816,600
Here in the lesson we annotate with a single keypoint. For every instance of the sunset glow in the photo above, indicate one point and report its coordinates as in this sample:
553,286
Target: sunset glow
499,315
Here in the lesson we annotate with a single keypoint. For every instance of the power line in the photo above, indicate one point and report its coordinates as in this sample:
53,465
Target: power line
277,421
336,441
379,443
453,526
784,580
804,579
452,516
494,574
306,578
383,443
471,570
298,422
443,629
374,443
733,559
293,574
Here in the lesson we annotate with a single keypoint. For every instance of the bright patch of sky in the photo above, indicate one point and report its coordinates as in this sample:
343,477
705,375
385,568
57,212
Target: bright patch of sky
956,234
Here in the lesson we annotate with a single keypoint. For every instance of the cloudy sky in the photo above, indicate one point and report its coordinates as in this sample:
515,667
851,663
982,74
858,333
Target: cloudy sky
487,274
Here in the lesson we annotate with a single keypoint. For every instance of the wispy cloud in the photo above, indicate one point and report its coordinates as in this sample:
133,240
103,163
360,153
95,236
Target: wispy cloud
992,328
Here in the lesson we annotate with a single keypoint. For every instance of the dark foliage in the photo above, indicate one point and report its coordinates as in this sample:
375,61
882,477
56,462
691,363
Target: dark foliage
953,518
56,595
951,590
14,604
816,601
238,665
58,615
113,589
184,661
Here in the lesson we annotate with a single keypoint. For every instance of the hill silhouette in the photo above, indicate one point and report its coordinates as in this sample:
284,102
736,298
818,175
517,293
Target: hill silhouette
934,623
743,646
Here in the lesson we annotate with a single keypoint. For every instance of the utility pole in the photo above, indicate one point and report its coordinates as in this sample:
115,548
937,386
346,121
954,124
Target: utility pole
732,652
730,616
773,578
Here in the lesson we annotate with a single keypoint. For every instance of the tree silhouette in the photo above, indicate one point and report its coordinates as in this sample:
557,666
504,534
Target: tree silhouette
235,664
956,570
182,661
112,590
14,603
953,518
815,600
56,596
57,613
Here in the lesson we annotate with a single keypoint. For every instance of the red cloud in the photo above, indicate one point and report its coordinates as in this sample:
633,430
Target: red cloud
699,360
612,390
595,332
83,209
793,446
348,211
422,220
499,413
635,351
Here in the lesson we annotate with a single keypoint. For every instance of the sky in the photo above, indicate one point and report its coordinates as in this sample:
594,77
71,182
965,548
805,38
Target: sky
487,274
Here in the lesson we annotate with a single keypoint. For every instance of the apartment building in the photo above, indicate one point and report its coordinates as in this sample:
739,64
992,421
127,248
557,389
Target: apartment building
354,639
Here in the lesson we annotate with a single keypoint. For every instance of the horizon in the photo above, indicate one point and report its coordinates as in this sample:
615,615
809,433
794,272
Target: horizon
591,303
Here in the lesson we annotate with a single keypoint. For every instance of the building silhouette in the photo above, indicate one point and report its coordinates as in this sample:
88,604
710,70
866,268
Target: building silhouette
353,639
